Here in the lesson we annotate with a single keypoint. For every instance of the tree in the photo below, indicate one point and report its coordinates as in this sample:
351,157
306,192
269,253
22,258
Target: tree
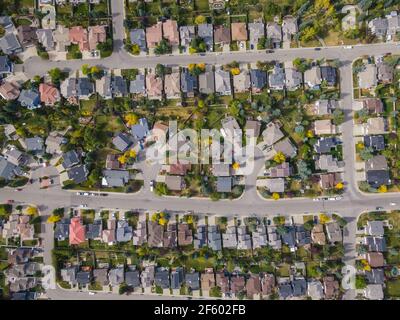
279,157
85,69
276,196
235,71
366,153
308,34
200,19
131,119
236,166
382,189
31,211
163,47
303,170
339,186
323,218
361,283
135,49
160,70
338,117
53,219
122,159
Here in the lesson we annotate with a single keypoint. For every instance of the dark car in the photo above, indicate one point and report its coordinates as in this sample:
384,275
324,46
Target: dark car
269,51
317,49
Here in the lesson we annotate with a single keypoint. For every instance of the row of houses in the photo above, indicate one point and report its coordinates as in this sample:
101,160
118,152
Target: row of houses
386,27
183,36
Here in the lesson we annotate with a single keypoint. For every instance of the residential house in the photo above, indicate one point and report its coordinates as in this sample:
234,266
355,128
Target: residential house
222,35
303,236
325,107
256,32
315,290
70,159
29,99
393,22
276,78
325,144
170,236
253,286
69,275
285,290
289,29
313,77
243,238
77,231
375,244
272,133
78,174
318,235
329,75
154,35
329,180
206,81
170,32
214,238
205,32
289,237
385,73
241,82
103,87
61,38
367,78
123,231
115,178
224,184
375,228
138,37
97,35
377,143
9,44
109,235
132,278
61,231
274,33
373,105
374,292
331,287
187,34
229,238
200,237
327,162
267,284
177,278
116,276
286,147
139,236
239,31
175,183
192,281
33,145
147,276
282,170
299,287
79,35
333,232
122,142
238,285
27,35
154,86
376,126
293,78
45,38
49,95
275,185
259,237
8,171
207,281
100,276
172,85
375,259
155,234
9,90
377,171
222,82
252,128
324,127
140,130
118,86
84,88
258,80
6,66
161,278
378,27
138,86
188,82
185,234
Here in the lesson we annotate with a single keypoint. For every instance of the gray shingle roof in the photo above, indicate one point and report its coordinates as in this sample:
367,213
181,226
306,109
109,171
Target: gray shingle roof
138,37
84,87
115,178
34,144
138,86
70,159
188,81
29,99
9,44
78,174
132,278
122,142
161,278
7,169
224,184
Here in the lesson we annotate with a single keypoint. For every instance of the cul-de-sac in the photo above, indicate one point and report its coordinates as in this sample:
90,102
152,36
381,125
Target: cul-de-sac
199,149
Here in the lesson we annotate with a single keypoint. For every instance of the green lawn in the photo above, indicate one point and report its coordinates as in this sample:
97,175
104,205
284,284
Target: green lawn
393,288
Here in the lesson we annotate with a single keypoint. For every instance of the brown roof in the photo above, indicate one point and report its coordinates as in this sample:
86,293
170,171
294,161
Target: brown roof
185,235
154,35
179,168
9,90
49,94
112,162
155,232
170,236
375,259
78,35
329,181
318,235
97,34
268,283
159,129
239,31
238,284
222,281
331,287
27,35
170,30
222,34
374,105
253,286
207,280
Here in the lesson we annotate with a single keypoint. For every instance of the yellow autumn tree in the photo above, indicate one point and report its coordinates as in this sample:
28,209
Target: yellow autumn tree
382,189
279,157
201,104
323,218
276,196
310,134
339,186
236,166
122,159
53,219
31,211
200,19
201,66
360,145
155,217
235,71
190,219
132,154
162,221
131,119
191,66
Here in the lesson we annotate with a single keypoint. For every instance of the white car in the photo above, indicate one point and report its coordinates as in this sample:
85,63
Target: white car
393,203
91,293
348,47
86,193
83,206
332,198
